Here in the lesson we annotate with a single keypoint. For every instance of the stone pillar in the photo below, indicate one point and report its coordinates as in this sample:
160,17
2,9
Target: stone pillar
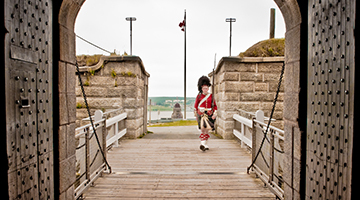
293,135
250,84
116,82
67,113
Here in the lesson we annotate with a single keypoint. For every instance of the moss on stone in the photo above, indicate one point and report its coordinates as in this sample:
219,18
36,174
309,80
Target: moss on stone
266,48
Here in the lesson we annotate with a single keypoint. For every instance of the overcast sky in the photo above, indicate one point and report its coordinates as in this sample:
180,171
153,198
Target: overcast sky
159,42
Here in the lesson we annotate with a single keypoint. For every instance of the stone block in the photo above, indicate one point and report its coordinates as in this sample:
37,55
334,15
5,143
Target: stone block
228,115
274,84
96,80
280,96
229,96
67,173
62,142
292,80
250,76
93,91
68,194
62,77
131,103
269,105
237,86
272,77
291,13
226,125
291,106
133,123
228,135
71,107
133,133
133,113
292,45
102,102
287,171
81,113
70,137
296,175
78,91
239,67
270,67
67,44
297,143
261,87
70,78
63,109
257,96
249,106
278,115
230,76
127,81
219,130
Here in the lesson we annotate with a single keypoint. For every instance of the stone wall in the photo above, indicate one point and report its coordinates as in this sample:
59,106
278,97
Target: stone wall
116,82
249,84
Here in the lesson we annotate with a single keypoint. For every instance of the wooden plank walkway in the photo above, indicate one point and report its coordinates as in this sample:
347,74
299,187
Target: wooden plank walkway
169,165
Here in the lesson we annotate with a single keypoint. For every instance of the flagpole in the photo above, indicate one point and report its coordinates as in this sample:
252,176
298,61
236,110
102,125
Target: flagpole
185,64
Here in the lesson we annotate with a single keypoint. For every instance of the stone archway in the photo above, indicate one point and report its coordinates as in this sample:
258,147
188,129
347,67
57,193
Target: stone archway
66,97
66,88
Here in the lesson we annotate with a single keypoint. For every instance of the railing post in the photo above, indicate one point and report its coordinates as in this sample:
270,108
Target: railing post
242,133
271,168
104,134
116,143
259,115
87,154
253,138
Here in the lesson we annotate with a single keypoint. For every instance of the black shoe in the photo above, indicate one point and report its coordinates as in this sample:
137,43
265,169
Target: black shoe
202,147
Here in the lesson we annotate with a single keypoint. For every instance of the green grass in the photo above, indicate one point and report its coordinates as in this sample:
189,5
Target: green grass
176,123
266,48
161,108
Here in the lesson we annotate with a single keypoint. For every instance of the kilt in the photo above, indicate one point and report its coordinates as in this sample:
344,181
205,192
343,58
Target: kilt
211,121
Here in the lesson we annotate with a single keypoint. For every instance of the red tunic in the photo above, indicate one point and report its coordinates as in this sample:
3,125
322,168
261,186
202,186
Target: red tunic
205,104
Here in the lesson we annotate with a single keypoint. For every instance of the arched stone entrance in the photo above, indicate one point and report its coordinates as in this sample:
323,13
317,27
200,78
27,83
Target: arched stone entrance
292,16
63,42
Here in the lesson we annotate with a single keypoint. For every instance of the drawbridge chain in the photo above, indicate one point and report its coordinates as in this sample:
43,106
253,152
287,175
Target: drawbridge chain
91,121
271,114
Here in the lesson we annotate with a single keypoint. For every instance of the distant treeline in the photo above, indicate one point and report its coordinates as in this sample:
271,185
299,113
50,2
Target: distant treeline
162,100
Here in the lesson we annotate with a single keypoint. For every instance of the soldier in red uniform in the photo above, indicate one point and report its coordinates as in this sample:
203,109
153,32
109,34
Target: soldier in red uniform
206,111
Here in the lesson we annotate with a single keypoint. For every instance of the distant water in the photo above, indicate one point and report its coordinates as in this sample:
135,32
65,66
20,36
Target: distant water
155,115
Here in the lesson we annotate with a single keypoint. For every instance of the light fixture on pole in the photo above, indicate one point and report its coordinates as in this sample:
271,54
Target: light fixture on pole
131,19
231,20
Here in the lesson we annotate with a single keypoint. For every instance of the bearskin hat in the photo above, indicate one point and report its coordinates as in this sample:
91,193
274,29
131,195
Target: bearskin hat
204,80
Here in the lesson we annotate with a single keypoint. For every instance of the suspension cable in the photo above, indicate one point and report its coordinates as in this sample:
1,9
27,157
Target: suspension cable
271,114
91,120
93,44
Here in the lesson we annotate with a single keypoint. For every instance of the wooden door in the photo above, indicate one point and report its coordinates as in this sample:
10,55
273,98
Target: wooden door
28,82
330,106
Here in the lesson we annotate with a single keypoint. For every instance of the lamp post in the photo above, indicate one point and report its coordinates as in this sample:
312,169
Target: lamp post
131,19
231,20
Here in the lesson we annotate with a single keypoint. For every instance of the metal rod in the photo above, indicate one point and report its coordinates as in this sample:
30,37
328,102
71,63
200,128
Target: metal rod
230,38
130,37
272,23
87,154
185,65
131,19
231,20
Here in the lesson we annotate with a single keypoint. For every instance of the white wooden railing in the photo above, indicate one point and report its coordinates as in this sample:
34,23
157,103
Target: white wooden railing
89,161
269,164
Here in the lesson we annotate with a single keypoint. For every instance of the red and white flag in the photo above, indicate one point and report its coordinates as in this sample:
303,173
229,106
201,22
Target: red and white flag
182,24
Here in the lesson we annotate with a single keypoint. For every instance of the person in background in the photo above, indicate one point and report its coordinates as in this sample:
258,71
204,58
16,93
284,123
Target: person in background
205,110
